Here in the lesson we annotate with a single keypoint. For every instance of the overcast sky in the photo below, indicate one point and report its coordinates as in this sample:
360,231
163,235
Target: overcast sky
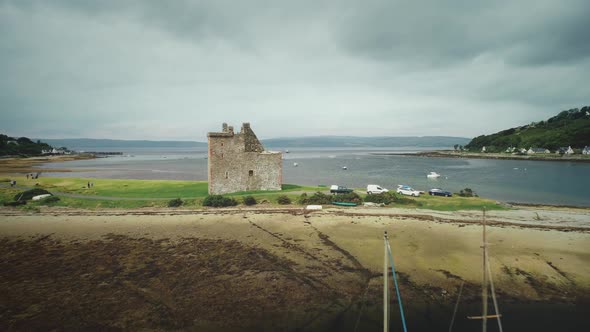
178,69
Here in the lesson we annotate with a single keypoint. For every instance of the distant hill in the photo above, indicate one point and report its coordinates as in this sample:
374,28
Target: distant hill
568,128
90,143
351,141
294,142
21,146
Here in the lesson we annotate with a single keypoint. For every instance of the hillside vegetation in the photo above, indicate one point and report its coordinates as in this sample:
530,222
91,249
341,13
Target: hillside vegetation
568,128
23,146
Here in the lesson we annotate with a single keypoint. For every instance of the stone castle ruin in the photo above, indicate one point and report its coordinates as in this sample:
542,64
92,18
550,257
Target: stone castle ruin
238,162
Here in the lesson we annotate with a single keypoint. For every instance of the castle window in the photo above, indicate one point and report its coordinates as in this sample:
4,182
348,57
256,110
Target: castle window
222,155
221,144
250,173
226,174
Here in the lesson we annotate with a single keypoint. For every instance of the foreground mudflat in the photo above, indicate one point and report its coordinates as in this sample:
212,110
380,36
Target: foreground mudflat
284,270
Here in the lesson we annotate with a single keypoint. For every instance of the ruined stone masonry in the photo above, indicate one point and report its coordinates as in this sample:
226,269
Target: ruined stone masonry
238,162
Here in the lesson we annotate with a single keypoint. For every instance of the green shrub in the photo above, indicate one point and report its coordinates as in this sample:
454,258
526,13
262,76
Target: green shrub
219,201
385,198
29,194
175,202
467,192
350,197
49,200
388,198
283,200
250,200
404,200
302,199
317,198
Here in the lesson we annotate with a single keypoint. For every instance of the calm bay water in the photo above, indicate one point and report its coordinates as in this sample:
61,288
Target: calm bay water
546,182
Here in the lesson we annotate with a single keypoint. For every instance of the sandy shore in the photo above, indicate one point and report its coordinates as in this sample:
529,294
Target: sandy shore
11,166
280,269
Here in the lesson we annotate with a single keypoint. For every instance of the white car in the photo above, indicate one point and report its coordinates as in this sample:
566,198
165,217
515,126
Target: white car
407,190
375,189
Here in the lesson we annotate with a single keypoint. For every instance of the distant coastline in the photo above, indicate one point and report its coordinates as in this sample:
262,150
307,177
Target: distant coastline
290,142
22,165
476,155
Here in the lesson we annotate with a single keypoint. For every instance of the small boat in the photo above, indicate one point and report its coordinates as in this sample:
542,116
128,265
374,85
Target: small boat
286,151
344,204
40,197
344,168
295,164
433,175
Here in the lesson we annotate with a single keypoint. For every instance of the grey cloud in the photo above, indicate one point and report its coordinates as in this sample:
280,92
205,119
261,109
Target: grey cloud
155,69
447,32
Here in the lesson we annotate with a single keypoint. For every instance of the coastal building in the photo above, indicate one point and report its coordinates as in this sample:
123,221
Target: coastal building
586,150
537,150
564,150
510,149
239,162
55,151
483,149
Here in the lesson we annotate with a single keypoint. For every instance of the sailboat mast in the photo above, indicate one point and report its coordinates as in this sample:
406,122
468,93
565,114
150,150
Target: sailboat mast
385,286
484,291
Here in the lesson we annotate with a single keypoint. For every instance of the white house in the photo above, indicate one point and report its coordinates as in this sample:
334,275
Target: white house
483,149
55,151
537,150
586,150
510,149
564,150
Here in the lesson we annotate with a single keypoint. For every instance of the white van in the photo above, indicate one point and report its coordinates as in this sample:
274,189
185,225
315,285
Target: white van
375,189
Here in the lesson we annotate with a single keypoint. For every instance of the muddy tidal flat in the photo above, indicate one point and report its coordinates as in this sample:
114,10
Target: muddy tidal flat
286,270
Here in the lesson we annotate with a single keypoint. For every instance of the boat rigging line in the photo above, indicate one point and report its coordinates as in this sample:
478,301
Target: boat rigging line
388,254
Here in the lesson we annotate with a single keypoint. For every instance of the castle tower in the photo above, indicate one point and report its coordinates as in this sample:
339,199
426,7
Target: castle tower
238,162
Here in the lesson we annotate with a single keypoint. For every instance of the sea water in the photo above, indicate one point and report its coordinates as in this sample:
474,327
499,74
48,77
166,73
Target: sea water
525,181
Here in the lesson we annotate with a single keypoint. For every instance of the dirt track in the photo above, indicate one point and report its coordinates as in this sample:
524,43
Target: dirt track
281,271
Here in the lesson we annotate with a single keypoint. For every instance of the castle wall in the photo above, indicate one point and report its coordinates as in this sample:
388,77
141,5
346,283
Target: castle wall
238,162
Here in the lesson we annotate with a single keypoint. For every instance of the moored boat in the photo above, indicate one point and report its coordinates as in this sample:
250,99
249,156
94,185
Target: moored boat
433,175
344,204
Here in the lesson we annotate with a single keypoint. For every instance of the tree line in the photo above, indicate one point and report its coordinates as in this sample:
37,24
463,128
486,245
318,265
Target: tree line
21,146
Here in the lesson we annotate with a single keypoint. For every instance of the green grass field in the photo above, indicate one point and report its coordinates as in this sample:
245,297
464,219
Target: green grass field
150,189
455,203
157,193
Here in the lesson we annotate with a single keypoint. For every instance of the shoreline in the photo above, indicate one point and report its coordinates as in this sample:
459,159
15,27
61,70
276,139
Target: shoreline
15,165
472,155
546,218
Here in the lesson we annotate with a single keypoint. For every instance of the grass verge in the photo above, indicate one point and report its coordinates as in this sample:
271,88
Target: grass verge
157,193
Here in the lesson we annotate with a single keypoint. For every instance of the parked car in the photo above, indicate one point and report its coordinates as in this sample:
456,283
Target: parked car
335,189
439,192
375,189
407,190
